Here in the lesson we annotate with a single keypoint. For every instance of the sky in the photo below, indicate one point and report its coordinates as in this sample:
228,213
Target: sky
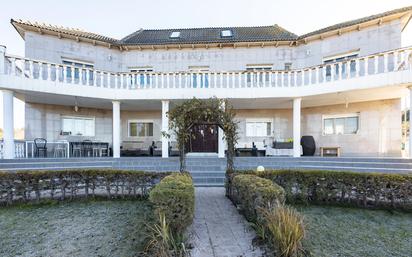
118,18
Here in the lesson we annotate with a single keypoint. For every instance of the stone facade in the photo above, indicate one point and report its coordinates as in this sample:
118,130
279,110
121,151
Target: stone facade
369,40
379,126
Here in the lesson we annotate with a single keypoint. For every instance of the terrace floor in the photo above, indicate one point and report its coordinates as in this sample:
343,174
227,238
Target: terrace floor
210,171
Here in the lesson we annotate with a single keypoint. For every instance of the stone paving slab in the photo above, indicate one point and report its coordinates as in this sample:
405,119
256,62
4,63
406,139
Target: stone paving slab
218,229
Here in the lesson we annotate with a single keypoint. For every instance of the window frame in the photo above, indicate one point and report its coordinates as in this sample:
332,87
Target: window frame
78,117
139,121
340,116
226,33
259,120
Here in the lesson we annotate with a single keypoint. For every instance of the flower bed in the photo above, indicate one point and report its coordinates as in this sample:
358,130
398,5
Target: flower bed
366,190
60,185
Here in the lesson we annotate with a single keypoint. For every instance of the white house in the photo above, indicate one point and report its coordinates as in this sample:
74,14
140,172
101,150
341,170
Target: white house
341,84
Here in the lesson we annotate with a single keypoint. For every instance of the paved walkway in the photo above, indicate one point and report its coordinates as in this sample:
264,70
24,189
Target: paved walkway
218,229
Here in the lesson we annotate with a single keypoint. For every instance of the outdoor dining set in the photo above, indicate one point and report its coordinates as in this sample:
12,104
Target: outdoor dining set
40,147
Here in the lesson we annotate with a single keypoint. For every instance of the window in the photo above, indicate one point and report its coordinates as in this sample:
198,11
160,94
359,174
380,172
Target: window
140,128
78,126
226,33
341,58
258,128
341,124
77,66
141,79
175,34
199,77
288,66
252,77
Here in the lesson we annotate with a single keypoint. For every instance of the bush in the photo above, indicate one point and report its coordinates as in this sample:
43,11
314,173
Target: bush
368,190
285,229
253,193
24,186
174,197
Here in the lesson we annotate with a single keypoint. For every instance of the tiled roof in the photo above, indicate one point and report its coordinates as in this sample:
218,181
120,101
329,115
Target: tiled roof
199,35
209,35
357,21
69,31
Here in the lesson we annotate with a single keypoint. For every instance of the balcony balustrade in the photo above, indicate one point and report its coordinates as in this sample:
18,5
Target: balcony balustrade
385,62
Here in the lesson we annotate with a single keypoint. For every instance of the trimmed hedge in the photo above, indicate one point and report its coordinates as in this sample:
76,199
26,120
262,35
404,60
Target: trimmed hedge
367,190
174,196
25,186
252,194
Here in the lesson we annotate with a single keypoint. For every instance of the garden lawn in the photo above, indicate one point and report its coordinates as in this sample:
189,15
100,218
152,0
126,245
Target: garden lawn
78,228
335,231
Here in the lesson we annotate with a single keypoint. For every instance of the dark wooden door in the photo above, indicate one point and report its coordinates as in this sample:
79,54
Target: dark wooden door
204,139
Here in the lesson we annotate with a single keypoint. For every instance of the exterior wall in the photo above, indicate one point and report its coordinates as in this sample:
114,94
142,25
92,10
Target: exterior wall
369,40
43,120
379,128
53,49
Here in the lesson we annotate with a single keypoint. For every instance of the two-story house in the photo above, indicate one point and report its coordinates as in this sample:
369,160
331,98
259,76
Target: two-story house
341,84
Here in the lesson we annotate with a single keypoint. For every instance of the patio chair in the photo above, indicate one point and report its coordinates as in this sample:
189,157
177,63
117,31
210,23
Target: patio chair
41,147
87,146
96,149
104,149
60,149
77,149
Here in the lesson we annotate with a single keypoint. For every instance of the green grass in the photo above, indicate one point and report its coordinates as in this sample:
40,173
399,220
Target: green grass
79,228
335,231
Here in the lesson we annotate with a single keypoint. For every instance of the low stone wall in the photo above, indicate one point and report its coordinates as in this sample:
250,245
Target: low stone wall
60,185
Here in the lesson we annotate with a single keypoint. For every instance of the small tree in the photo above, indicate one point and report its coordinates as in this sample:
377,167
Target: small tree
211,111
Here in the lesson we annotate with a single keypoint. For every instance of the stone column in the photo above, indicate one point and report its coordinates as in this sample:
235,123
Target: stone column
116,129
296,126
8,125
221,142
165,129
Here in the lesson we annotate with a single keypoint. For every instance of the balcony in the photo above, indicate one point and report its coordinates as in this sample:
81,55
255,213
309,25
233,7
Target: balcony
377,70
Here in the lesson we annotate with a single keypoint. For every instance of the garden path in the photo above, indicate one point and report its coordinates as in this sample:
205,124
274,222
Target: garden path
218,229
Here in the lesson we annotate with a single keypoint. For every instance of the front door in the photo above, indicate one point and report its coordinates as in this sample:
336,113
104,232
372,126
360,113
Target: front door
204,139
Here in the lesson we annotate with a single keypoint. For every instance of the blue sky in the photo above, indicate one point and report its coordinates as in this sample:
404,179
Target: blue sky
122,17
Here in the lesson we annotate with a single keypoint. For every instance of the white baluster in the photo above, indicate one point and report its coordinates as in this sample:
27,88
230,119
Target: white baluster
88,76
395,61
49,78
385,63
234,79
295,78
13,66
167,80
102,79
357,71
31,69
289,78
275,78
214,80
340,70
376,63
310,76
180,80
324,68
317,75
95,78
366,60
221,80
65,74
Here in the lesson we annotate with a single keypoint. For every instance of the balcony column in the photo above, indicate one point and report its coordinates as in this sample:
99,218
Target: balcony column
221,142
296,126
116,129
8,125
410,121
165,129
